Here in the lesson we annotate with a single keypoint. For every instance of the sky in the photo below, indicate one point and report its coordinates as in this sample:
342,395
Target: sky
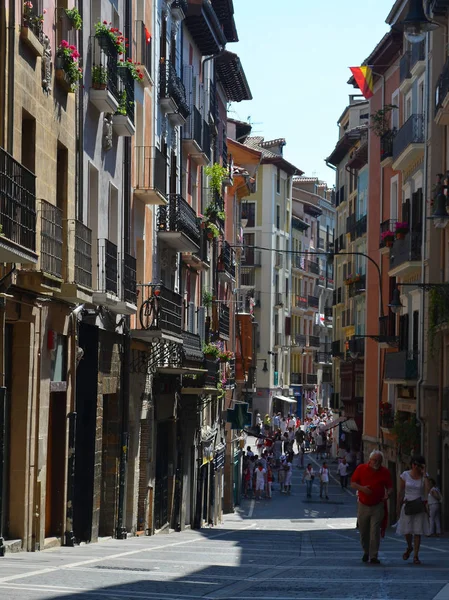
296,56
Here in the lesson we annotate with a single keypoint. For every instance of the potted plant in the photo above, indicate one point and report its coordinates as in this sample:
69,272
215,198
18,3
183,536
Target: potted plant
67,65
107,35
348,280
216,173
380,120
99,77
401,229
134,68
74,17
225,356
212,231
211,351
388,238
207,298
122,107
30,18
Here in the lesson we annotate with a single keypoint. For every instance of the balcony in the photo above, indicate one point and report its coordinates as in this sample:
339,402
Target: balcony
299,262
328,313
50,251
327,377
177,225
401,367
179,9
295,378
313,267
223,321
251,258
247,277
336,349
386,240
357,347
408,144
313,302
299,302
387,331
404,72
205,27
301,340
279,260
192,138
172,94
313,341
417,59
340,196
192,352
105,82
143,53
107,272
405,255
151,170
31,31
77,287
386,146
442,96
278,299
311,379
323,358
129,281
360,226
278,339
17,211
358,287
204,383
347,318
200,260
160,313
350,224
123,120
226,261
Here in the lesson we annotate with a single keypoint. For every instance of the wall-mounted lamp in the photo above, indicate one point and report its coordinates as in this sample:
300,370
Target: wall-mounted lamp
416,24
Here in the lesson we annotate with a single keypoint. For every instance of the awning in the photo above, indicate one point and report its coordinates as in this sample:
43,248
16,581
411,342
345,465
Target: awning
349,425
285,399
332,424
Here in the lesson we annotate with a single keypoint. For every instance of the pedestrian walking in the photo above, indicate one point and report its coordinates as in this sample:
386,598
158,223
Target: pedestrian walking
288,476
281,475
324,481
434,500
414,519
260,480
269,480
308,477
246,480
343,471
373,484
259,423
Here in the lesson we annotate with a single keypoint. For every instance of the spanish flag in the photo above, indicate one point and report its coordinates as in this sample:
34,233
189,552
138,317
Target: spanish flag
364,79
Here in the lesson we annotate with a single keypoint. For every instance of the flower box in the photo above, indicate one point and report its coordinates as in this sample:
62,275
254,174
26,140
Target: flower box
63,80
32,41
123,126
401,229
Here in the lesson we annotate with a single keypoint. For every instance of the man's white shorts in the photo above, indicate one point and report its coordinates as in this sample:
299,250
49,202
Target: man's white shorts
260,486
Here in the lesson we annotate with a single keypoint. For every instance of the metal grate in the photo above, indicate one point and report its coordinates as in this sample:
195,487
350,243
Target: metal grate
105,64
51,239
107,266
83,255
129,279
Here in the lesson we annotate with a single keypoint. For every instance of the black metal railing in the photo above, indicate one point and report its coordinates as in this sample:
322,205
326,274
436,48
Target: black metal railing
248,277
327,377
418,53
191,348
105,66
401,366
211,377
313,341
193,129
387,420
32,18
341,242
299,262
295,378
299,302
313,301
350,223
386,144
360,226
129,279
311,379
224,153
64,27
404,67
387,327
171,86
252,258
339,295
161,309
51,239
336,348
178,217
224,321
323,357
301,340
205,146
328,312
387,232
151,169
107,266
442,86
127,92
313,267
17,202
143,47
357,287
357,346
412,132
203,252
407,249
83,255
226,261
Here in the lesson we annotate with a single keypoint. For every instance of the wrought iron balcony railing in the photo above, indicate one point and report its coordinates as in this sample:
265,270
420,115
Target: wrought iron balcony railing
151,170
51,239
143,47
295,378
105,66
311,379
412,132
313,301
224,321
129,279
313,341
387,227
299,302
83,254
350,223
300,340
179,217
226,260
336,349
360,226
407,249
107,266
161,309
401,366
313,267
192,348
127,92
404,67
418,53
193,129
248,277
323,357
386,144
17,202
171,86
252,258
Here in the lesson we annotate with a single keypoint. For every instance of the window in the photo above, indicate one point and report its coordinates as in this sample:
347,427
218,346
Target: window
249,213
408,106
278,181
394,199
395,111
278,216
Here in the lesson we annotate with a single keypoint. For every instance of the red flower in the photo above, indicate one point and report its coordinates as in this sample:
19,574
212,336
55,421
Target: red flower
140,76
105,22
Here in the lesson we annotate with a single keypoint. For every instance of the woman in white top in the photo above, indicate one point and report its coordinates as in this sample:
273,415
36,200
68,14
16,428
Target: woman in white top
324,481
413,486
434,500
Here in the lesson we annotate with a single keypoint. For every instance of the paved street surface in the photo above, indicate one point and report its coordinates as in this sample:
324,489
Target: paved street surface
286,548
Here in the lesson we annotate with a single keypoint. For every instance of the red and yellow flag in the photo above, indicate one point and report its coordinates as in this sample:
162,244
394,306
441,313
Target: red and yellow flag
364,78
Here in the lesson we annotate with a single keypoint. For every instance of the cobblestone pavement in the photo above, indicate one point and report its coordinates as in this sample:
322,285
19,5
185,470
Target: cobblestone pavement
286,548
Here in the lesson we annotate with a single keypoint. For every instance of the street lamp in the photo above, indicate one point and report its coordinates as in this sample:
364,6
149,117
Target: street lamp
416,24
395,303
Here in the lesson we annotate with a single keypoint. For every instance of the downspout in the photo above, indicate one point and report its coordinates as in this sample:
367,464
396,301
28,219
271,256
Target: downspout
423,246
380,353
11,75
79,122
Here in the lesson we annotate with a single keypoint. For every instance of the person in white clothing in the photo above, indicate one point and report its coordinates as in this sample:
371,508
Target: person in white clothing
260,480
288,477
434,500
324,481
343,469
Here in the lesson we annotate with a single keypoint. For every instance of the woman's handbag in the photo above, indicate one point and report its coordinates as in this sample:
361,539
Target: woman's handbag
414,507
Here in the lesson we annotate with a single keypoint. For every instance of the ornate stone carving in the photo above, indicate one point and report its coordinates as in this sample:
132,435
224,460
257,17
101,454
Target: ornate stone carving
107,131
47,66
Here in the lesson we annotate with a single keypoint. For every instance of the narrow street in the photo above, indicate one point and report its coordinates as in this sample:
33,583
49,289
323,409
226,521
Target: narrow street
287,548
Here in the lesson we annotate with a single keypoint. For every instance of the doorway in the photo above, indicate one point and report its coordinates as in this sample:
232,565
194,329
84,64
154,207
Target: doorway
161,485
54,499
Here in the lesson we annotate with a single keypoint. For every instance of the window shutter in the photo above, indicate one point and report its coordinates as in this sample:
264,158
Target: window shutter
202,322
288,325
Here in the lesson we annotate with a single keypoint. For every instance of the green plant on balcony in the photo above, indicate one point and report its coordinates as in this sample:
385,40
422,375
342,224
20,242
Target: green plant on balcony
67,57
216,173
225,356
207,298
380,120
122,105
407,432
211,350
74,17
134,68
212,211
99,77
212,231
30,18
105,32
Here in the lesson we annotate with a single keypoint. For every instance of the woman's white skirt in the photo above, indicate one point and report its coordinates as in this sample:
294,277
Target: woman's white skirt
413,524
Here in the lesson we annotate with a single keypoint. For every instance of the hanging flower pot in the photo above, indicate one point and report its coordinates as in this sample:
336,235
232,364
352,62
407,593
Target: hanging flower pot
388,243
401,229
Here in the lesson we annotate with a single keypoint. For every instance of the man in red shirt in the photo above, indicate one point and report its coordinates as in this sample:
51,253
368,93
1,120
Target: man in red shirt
373,484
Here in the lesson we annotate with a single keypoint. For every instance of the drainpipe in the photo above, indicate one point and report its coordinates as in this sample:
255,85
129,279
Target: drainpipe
79,121
69,536
11,75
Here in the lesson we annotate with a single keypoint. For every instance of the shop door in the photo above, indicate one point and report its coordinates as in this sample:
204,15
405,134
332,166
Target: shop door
54,499
161,487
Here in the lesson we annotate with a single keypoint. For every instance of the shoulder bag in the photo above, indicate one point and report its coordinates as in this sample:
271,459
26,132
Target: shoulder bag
414,507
